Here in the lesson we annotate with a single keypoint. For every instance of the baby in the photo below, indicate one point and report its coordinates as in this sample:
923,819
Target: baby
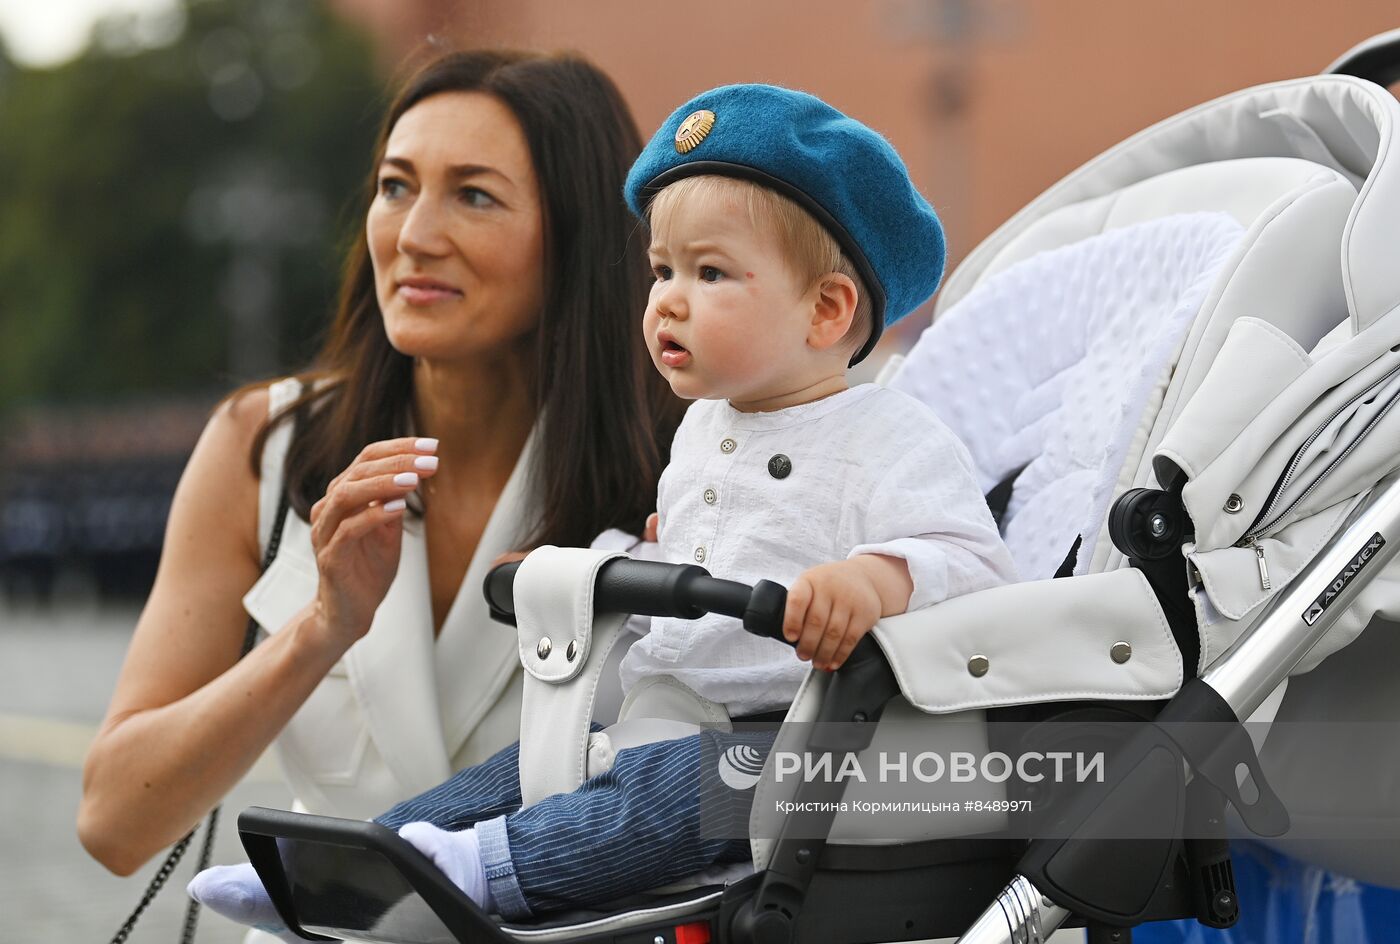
784,238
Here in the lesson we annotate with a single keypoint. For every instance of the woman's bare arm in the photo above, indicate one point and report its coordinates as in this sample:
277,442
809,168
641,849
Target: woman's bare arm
182,727
186,722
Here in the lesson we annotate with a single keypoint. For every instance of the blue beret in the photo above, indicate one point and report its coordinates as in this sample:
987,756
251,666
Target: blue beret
847,176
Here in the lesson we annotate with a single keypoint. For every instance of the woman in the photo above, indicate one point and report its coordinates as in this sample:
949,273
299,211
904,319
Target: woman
483,388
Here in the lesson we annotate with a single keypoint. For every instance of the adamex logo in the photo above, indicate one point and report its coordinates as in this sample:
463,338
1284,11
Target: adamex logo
1312,613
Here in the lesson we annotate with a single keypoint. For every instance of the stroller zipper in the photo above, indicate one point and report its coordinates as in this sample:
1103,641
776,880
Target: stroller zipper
1264,581
1269,520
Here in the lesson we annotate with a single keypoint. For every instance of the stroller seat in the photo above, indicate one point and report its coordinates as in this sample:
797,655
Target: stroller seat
1139,361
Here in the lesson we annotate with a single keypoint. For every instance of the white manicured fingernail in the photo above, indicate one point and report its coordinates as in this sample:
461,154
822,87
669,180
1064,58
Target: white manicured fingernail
425,445
426,463
395,506
406,479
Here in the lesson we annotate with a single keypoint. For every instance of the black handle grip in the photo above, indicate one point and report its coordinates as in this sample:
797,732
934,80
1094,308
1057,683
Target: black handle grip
1376,59
654,588
500,600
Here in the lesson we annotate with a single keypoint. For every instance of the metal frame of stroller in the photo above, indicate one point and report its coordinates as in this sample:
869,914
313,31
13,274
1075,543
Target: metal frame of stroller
334,874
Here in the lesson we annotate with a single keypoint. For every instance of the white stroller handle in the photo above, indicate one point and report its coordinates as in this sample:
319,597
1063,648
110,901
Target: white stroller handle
1264,655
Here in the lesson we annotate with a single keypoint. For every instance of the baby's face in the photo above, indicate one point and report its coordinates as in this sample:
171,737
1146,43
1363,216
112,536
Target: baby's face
726,318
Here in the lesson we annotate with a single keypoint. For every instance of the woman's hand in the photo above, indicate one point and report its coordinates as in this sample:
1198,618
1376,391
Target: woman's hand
357,531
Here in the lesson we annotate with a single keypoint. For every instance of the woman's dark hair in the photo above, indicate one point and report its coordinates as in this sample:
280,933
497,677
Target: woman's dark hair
606,418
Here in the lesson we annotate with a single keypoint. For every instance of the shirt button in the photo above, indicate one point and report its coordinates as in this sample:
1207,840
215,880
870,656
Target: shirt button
710,496
699,555
780,466
728,446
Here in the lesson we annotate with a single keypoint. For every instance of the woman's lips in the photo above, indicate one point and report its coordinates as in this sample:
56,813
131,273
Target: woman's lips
426,293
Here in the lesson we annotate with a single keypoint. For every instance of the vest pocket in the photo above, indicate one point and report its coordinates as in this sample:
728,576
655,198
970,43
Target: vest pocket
327,736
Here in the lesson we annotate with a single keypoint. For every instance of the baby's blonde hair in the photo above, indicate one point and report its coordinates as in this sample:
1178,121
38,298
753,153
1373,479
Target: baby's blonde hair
811,250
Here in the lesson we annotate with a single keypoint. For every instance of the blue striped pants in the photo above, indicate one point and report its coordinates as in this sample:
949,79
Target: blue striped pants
661,813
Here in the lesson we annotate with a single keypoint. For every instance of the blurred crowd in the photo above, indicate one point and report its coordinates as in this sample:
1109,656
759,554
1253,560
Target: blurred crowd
84,495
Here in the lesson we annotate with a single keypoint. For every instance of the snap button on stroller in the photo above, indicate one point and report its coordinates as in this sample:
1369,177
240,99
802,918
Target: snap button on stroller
1176,372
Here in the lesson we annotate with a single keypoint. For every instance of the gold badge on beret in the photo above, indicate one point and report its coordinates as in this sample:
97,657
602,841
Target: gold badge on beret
694,130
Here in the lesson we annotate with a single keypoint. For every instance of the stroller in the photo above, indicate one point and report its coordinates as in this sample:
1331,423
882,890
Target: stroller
1180,406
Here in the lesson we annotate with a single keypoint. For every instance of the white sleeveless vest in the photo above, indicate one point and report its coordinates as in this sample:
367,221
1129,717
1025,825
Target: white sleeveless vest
402,710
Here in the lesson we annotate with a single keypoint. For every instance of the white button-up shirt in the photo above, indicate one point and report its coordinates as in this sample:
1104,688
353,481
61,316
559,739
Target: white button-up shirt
755,496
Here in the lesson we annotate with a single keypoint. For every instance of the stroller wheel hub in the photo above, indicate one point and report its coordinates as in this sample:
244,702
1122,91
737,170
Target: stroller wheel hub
1148,523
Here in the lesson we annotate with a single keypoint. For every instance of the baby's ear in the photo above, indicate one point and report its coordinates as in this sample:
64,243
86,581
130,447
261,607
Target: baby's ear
834,308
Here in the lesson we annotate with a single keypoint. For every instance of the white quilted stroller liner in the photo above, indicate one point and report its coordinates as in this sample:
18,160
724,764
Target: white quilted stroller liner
1207,310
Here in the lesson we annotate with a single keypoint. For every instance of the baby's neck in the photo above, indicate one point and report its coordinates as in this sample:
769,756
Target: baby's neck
820,390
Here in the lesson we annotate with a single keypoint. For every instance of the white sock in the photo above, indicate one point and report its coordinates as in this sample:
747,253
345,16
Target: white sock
457,855
236,892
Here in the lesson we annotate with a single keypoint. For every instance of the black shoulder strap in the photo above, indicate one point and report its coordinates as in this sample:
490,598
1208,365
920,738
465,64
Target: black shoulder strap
274,541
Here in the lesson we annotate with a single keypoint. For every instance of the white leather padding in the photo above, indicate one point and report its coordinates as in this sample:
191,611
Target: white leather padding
1230,578
554,609
658,708
1043,640
603,746
554,600
1222,406
661,696
1347,124
1246,189
1254,457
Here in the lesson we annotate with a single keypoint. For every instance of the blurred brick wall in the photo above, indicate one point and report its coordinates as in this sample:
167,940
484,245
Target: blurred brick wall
987,113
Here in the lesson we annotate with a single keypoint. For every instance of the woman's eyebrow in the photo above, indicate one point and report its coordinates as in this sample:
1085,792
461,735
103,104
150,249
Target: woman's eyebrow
475,170
402,163
455,170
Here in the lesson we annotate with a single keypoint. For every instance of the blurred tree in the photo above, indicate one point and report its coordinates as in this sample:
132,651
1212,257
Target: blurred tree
178,199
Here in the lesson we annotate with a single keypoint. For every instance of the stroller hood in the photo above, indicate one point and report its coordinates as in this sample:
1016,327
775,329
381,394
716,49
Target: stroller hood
1339,122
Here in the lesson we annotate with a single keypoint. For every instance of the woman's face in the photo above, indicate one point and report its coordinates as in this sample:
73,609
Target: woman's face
456,230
